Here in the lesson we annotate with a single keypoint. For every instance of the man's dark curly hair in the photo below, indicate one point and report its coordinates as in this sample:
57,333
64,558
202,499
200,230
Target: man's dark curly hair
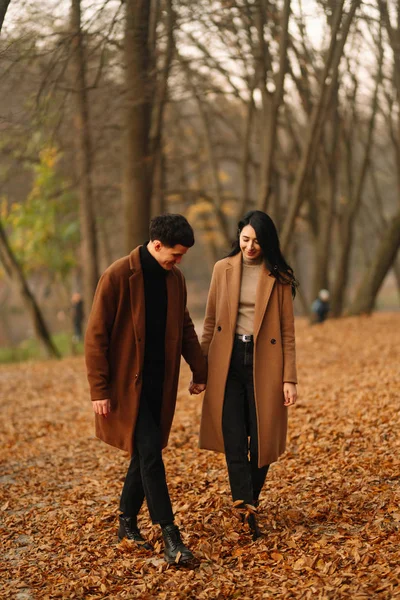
171,230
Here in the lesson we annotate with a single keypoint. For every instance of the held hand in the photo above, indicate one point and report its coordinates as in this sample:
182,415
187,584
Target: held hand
102,407
196,388
290,394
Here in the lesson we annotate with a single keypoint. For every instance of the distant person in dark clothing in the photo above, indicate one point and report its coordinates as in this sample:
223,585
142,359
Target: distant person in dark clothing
77,317
320,307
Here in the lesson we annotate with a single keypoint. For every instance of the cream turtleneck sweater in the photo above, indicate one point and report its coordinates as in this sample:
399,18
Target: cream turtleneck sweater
247,299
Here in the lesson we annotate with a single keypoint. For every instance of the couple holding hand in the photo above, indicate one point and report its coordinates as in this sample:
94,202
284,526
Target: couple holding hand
138,329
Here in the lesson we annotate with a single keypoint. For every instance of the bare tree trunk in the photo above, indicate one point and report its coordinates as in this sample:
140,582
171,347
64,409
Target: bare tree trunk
396,269
390,241
347,223
325,217
157,153
394,39
373,279
212,158
14,272
271,129
275,209
305,307
89,247
205,219
158,205
16,277
104,241
245,160
136,151
251,111
3,9
297,266
211,250
5,321
317,119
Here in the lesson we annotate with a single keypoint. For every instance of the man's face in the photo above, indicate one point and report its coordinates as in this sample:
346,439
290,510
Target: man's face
168,257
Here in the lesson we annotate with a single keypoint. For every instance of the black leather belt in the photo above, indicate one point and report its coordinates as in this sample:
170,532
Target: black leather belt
244,338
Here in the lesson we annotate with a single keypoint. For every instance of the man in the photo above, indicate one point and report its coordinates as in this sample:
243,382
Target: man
77,316
138,328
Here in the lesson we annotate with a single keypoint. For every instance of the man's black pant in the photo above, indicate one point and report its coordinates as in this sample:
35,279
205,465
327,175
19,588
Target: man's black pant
146,474
239,423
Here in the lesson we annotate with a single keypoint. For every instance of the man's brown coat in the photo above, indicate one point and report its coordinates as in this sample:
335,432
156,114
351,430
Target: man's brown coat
274,355
115,342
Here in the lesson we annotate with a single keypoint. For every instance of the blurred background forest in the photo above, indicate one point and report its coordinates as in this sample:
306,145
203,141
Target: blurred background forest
112,111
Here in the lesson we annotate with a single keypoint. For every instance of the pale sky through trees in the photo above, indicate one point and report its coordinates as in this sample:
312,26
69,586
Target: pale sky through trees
51,14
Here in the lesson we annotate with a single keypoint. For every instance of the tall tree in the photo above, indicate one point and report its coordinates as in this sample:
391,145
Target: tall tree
213,161
271,110
328,83
158,159
136,151
16,277
325,209
84,154
14,272
385,256
3,9
347,222
390,243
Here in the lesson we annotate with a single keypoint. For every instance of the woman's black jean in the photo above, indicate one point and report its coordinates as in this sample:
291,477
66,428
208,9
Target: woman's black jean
239,425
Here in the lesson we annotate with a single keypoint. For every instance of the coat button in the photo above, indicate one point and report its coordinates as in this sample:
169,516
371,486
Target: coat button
273,341
136,375
219,328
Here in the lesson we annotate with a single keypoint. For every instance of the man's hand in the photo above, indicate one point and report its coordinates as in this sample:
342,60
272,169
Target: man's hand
102,407
290,394
196,388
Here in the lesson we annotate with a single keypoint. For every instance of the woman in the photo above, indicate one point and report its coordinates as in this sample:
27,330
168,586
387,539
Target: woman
248,337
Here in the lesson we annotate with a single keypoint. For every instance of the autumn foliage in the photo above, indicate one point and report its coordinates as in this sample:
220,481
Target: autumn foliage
329,511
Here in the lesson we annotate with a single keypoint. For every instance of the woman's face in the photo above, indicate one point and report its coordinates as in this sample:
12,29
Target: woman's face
248,244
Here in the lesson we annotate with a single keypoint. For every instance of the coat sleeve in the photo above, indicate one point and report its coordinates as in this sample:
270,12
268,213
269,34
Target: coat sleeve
191,350
97,338
209,319
288,339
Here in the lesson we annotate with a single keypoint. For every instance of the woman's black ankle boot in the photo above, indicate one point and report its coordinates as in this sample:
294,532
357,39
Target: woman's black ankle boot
253,526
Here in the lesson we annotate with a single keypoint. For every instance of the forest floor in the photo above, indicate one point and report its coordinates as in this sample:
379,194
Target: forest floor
330,509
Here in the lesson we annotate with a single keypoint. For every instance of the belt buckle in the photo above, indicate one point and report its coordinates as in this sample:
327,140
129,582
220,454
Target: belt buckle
246,338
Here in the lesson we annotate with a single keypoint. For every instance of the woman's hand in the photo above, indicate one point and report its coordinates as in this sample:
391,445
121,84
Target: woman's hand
196,388
290,394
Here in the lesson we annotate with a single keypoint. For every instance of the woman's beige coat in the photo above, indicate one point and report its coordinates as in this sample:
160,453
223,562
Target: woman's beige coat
274,355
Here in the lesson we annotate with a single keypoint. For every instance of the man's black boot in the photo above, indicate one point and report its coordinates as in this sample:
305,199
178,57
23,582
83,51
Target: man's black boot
128,529
175,550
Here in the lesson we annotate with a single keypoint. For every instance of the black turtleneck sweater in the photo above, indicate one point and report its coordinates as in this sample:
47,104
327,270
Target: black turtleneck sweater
156,302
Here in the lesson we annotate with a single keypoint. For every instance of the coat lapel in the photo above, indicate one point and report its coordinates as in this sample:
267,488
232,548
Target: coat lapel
233,277
136,288
263,293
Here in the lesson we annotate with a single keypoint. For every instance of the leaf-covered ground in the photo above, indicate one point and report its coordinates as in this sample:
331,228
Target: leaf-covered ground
329,511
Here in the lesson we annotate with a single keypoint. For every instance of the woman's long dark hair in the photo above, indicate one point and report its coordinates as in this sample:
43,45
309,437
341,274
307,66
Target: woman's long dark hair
267,237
